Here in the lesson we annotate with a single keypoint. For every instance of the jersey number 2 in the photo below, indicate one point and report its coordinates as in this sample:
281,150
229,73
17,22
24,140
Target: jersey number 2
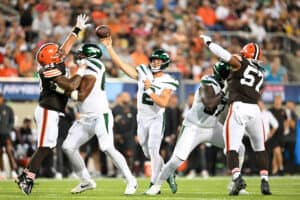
249,77
146,99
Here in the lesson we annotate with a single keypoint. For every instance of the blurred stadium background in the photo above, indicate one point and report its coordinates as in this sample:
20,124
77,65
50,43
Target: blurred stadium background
139,26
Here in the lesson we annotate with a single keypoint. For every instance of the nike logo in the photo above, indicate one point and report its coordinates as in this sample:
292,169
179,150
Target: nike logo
84,186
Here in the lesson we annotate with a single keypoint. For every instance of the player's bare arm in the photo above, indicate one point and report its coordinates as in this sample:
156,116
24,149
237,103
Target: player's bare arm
126,68
68,84
81,24
209,99
86,86
222,53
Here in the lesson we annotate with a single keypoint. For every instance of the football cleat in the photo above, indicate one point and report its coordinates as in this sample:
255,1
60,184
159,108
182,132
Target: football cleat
241,192
131,187
24,183
265,187
238,185
172,183
153,190
83,186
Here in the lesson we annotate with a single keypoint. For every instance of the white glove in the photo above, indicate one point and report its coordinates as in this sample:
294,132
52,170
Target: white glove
206,39
81,21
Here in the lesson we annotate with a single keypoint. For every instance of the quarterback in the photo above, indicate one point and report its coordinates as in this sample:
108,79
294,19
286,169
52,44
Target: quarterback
154,91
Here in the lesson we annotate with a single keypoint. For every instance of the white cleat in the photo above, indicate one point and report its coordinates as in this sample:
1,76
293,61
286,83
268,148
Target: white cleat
153,190
83,186
241,192
131,187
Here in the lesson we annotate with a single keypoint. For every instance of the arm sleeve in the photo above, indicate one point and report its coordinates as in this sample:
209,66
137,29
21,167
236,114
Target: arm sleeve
219,51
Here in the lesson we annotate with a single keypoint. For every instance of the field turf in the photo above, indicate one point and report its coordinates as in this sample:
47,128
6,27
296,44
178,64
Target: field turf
214,188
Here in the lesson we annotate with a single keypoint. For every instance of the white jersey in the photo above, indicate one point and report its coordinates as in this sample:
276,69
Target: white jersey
147,109
196,115
96,102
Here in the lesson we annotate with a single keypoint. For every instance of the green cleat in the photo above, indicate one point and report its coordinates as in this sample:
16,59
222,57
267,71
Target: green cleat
172,183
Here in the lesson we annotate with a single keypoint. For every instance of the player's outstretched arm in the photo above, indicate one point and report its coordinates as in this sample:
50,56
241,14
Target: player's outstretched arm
65,84
86,86
126,68
81,24
221,52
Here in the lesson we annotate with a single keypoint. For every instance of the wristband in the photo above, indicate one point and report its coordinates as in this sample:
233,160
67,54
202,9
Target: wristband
74,95
76,31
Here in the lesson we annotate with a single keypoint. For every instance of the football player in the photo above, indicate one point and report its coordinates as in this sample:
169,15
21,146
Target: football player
95,119
50,58
244,85
201,123
154,91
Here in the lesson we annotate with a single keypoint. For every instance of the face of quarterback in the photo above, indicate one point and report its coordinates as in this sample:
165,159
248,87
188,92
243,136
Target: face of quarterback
155,65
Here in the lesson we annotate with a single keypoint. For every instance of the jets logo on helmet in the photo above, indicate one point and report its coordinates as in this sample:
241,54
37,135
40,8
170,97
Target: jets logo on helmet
89,51
221,70
48,53
251,51
161,55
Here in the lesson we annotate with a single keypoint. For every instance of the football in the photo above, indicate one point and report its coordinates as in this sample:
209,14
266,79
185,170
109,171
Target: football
102,31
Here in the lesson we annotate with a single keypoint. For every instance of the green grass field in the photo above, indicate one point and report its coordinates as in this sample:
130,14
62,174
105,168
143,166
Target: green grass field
285,188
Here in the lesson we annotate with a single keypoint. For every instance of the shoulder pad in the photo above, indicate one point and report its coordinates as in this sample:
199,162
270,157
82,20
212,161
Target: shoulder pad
208,80
211,81
95,63
170,82
51,73
142,69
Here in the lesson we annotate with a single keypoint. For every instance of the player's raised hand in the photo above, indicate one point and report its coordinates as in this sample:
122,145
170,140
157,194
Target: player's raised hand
81,21
206,39
107,42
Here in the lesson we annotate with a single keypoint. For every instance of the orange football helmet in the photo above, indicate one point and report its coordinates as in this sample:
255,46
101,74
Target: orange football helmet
252,51
48,53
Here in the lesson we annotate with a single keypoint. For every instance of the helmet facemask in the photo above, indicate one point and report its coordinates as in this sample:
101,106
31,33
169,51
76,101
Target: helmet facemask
159,54
221,71
253,52
89,51
49,54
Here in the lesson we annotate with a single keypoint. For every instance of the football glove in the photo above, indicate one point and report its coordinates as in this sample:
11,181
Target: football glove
206,39
81,21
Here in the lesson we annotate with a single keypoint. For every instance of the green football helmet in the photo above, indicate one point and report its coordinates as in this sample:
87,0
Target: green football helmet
221,70
162,55
90,51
